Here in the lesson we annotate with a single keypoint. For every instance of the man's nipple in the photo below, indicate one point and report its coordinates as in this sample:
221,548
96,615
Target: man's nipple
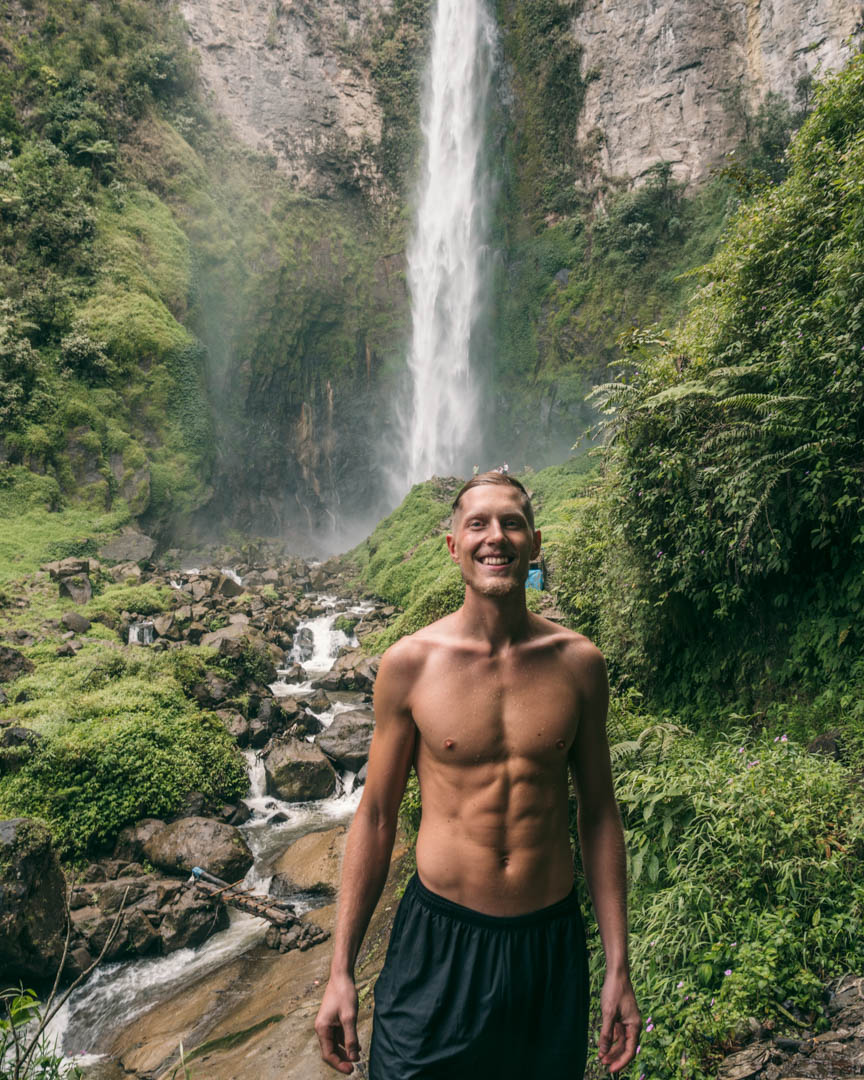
560,744
449,744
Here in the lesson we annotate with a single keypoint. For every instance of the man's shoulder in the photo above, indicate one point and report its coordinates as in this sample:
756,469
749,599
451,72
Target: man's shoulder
577,652
408,655
571,643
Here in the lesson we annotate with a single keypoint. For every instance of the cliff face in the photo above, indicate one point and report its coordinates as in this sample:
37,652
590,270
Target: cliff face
671,81
289,77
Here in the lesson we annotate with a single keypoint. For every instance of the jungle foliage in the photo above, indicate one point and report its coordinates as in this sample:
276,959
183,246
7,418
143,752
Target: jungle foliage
734,478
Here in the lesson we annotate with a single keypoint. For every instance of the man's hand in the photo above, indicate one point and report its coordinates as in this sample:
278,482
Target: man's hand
619,1035
336,1024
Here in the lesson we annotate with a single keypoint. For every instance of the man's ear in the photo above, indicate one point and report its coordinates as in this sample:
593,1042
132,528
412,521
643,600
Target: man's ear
451,547
535,550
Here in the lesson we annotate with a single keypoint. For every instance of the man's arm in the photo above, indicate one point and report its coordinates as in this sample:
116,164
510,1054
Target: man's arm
368,850
601,839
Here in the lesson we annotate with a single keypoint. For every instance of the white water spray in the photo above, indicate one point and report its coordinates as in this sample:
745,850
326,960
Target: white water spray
445,258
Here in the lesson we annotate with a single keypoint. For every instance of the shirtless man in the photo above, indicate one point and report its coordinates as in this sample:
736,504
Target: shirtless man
486,973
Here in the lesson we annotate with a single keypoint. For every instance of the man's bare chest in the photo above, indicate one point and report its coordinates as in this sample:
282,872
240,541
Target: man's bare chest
485,712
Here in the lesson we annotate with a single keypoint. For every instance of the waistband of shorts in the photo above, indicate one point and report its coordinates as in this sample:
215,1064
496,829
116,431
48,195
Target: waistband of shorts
417,891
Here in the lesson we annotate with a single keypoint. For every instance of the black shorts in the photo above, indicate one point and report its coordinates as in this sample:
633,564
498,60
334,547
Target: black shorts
468,996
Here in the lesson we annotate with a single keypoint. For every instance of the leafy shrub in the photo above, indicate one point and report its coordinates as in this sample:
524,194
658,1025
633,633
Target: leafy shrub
745,893
139,599
89,779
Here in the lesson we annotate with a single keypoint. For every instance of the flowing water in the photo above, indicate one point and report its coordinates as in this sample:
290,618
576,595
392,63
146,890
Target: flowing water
445,258
117,993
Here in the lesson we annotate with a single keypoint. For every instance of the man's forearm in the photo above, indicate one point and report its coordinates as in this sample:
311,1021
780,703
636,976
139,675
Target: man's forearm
364,872
601,838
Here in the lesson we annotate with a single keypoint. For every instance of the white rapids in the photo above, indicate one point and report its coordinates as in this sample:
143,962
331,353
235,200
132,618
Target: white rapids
446,254
117,993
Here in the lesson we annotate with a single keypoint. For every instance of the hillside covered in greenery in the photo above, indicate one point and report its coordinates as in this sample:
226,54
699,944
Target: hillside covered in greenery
712,547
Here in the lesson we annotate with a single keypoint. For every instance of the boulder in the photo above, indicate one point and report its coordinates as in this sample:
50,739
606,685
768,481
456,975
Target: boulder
77,587
76,622
200,588
130,546
190,920
745,1063
13,664
297,771
196,841
307,723
828,744
131,841
294,674
67,568
16,746
304,643
236,724
347,740
318,702
331,681
214,639
125,573
163,624
356,670
235,813
252,644
227,586
311,864
69,648
212,690
32,902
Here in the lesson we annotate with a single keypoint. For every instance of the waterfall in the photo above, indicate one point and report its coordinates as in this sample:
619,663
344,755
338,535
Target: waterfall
445,256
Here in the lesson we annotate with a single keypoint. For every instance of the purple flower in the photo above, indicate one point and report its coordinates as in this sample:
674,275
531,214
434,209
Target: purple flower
784,738
680,984
649,1027
728,971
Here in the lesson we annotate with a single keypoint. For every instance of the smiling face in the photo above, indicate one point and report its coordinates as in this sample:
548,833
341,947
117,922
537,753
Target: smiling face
492,541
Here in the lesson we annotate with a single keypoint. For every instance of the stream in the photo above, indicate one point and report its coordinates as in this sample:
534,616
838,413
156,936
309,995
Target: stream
118,993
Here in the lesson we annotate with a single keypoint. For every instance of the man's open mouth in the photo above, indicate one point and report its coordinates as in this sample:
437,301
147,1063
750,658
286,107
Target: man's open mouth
496,560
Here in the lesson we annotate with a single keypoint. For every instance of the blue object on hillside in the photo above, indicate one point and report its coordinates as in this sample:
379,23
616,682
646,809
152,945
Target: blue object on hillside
535,579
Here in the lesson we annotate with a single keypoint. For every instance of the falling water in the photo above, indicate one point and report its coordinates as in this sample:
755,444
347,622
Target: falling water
445,258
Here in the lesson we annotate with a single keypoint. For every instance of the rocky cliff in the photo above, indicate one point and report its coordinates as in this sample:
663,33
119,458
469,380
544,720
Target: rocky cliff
289,77
675,81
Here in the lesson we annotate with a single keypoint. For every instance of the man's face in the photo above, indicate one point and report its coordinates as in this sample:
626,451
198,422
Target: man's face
491,541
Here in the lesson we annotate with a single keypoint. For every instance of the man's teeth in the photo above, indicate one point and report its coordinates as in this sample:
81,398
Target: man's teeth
490,560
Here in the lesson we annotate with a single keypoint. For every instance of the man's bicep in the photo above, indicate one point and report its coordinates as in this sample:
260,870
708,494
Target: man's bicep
589,757
392,751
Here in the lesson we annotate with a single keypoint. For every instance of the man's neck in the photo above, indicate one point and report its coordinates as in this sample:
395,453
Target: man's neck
496,621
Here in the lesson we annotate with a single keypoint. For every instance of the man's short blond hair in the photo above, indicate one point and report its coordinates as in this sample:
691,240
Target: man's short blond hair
495,477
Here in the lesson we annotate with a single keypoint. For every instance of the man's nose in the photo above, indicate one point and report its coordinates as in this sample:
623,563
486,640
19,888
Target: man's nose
495,532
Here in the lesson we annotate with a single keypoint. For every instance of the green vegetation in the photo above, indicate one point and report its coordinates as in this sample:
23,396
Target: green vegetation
733,480
20,1057
155,273
744,890
398,52
34,530
101,715
405,561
